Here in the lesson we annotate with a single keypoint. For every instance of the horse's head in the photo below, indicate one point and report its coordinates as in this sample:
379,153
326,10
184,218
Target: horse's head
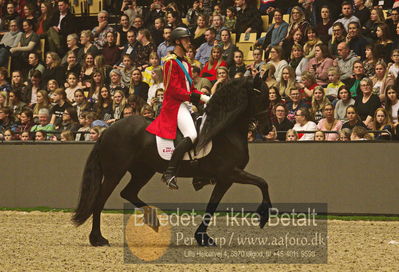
233,104
258,104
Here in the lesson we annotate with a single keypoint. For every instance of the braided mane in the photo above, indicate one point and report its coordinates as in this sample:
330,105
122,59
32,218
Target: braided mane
225,106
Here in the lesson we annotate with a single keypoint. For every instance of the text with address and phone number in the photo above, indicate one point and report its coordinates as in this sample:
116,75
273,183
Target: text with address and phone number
295,233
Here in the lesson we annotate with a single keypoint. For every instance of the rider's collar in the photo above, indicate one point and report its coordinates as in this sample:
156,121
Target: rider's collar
179,58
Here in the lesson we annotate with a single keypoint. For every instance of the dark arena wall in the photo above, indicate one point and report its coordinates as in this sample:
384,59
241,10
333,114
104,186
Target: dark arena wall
352,178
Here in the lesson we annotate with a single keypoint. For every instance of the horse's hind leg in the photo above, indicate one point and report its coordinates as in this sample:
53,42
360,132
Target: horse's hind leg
132,189
107,187
139,179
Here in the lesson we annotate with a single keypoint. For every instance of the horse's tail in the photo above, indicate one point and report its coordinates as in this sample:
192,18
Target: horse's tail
90,189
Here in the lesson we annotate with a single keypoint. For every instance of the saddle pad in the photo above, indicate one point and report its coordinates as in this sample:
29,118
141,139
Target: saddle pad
166,147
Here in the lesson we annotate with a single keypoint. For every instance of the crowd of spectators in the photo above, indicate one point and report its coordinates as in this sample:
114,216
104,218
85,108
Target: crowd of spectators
332,72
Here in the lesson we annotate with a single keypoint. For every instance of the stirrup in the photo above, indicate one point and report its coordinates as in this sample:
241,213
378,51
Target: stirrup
171,182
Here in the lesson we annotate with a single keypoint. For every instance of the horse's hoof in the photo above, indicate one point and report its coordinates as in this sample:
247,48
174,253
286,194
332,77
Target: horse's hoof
98,241
204,239
263,212
151,219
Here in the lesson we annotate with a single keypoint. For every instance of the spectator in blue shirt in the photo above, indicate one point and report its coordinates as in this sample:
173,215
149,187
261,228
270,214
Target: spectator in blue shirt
204,51
4,85
165,47
275,33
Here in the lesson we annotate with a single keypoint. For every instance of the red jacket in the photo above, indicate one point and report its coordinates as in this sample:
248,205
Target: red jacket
211,72
176,92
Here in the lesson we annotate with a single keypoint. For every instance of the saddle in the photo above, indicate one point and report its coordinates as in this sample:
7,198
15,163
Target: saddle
166,146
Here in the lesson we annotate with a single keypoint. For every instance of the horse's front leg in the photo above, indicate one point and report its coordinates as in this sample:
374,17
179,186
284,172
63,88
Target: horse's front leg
218,192
244,177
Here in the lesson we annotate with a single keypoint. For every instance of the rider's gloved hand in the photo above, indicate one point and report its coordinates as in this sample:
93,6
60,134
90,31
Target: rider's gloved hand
195,98
204,98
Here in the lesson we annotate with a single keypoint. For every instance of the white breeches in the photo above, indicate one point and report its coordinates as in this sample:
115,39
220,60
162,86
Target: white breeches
185,122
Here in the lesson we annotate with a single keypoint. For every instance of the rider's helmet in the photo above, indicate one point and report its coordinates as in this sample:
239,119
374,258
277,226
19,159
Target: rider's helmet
178,33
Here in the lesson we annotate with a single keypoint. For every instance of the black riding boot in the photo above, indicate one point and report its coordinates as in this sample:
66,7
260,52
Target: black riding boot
169,177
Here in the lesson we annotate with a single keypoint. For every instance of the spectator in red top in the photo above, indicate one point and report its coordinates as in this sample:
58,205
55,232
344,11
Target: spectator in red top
307,85
44,19
215,61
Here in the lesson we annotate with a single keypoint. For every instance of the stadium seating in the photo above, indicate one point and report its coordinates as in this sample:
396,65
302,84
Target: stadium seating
95,8
250,56
83,8
42,47
247,38
246,48
233,38
265,21
9,64
79,8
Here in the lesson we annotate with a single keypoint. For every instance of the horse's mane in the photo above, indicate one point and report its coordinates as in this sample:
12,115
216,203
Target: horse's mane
225,106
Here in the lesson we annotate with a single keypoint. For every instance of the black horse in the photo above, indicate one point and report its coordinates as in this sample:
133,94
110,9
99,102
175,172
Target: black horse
127,146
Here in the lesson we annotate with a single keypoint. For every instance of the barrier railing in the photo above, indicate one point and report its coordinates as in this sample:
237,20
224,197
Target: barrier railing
87,132
336,132
31,133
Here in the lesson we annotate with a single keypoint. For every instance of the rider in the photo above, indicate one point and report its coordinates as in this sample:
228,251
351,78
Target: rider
175,113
